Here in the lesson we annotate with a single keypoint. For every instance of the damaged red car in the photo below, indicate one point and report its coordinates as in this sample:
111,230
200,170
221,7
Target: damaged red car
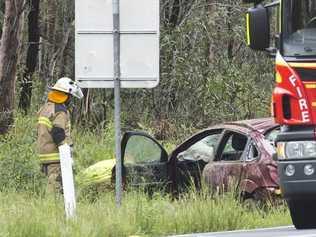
232,153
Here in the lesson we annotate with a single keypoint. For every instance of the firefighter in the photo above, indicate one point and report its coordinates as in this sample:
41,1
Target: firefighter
53,129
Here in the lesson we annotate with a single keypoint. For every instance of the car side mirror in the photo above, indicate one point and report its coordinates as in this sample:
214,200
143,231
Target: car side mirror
258,29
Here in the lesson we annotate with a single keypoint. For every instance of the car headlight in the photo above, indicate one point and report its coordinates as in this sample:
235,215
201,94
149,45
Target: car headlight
296,150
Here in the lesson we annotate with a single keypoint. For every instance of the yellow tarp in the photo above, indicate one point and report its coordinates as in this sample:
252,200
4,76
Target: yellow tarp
97,173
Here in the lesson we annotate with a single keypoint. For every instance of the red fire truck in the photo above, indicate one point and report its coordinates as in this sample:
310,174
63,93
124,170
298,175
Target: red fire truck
294,96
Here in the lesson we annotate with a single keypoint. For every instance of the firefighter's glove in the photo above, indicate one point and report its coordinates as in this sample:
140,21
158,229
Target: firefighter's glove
58,135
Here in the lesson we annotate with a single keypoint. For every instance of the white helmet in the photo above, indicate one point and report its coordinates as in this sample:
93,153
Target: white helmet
67,85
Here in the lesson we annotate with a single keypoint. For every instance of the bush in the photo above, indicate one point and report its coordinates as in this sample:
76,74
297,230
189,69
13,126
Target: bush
19,166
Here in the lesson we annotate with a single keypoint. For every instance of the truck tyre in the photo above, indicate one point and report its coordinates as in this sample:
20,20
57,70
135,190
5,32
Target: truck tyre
303,213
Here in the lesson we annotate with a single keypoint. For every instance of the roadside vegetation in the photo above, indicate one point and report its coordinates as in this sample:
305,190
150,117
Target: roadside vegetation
207,75
28,215
25,209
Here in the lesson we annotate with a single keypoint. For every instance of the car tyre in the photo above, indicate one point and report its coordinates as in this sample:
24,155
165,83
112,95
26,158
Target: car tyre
303,213
256,200
251,204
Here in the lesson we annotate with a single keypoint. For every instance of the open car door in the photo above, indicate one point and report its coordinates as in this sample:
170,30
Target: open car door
145,162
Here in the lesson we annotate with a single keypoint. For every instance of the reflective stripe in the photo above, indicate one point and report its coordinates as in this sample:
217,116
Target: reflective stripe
45,121
248,28
303,65
280,17
310,86
47,157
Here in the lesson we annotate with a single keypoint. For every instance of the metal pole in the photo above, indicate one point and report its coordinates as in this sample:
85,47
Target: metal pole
117,100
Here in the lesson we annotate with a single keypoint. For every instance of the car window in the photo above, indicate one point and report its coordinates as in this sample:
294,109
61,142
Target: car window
228,146
272,135
234,147
204,149
140,149
253,153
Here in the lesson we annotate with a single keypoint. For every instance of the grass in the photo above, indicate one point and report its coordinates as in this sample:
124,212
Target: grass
24,215
26,211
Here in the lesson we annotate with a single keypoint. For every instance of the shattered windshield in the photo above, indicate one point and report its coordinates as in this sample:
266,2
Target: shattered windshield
299,31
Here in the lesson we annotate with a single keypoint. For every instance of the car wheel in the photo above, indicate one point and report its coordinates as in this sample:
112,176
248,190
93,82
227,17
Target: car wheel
248,201
303,213
251,204
258,199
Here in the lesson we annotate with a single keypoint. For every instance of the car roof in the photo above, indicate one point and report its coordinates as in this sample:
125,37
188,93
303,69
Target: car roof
261,124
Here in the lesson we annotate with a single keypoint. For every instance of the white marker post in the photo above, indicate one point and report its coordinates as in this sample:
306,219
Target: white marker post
68,180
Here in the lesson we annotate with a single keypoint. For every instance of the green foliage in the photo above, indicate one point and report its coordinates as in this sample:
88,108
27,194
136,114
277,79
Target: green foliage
207,73
91,146
139,215
19,167
19,164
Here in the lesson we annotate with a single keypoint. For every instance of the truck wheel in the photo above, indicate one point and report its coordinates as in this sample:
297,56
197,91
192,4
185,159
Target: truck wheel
303,213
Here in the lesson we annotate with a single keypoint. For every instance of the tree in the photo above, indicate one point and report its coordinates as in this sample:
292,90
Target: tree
31,57
10,41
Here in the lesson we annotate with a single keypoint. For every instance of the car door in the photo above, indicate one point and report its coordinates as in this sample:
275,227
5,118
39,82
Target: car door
189,159
260,170
252,173
145,161
226,171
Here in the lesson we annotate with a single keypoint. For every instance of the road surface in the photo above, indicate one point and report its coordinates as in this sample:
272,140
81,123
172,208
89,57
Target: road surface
284,231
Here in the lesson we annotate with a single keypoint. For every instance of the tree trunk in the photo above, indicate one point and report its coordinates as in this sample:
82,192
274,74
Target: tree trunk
175,13
10,41
31,57
60,51
49,39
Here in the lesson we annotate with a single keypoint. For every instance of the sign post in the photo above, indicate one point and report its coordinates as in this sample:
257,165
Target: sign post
117,102
117,46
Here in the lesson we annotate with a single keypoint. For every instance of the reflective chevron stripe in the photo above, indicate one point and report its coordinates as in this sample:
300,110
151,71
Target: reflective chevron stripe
45,121
49,157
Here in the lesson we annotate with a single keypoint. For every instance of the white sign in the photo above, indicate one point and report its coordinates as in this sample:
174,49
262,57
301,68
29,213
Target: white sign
68,180
139,28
